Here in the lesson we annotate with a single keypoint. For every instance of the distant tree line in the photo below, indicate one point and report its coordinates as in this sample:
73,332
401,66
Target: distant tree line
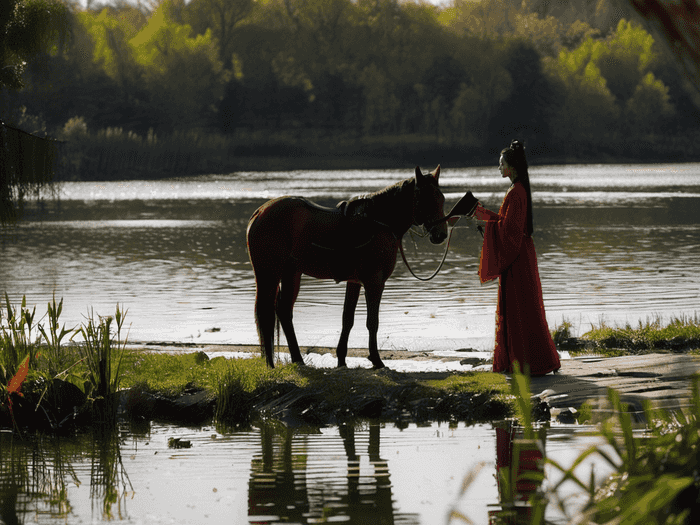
574,78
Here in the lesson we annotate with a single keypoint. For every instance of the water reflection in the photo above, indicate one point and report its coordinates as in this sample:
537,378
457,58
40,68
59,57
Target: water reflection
519,471
109,482
365,473
281,490
37,471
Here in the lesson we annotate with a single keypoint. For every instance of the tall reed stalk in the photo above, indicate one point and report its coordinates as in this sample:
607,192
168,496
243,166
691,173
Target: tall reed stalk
53,352
102,353
16,337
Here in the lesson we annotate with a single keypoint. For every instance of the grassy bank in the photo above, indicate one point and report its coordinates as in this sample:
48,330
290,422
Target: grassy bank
245,390
678,334
73,376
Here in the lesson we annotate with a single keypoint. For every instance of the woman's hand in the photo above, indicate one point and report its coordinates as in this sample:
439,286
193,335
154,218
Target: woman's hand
480,213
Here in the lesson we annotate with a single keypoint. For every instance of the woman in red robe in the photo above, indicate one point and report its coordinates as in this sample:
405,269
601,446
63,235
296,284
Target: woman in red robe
508,253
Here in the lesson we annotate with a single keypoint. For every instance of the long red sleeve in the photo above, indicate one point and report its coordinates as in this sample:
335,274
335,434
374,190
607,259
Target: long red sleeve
503,235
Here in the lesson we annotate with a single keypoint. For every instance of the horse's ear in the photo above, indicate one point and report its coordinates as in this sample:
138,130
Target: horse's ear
436,173
419,176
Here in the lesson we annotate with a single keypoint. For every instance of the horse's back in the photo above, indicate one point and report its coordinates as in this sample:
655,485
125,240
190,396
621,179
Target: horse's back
292,213
290,224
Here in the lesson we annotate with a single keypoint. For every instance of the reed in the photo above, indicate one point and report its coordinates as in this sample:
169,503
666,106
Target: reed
114,153
102,352
16,337
56,358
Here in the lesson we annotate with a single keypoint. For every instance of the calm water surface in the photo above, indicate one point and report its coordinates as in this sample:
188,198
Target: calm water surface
368,474
619,243
614,242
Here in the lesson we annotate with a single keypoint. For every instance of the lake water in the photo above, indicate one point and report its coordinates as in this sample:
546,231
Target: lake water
369,474
619,243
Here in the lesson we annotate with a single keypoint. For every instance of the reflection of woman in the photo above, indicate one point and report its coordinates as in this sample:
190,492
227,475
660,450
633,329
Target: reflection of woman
522,334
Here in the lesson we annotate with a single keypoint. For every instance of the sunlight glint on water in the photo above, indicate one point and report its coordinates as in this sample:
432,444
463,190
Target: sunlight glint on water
619,243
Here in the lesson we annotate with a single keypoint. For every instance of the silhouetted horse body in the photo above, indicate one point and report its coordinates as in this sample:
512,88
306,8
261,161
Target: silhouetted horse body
356,242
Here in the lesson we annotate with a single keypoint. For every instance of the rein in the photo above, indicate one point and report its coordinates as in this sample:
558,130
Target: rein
444,256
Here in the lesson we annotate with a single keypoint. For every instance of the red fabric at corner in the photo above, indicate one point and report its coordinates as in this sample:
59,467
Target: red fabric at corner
522,333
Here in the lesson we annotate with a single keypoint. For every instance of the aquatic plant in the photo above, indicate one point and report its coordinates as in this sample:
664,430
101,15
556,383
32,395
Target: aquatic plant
16,337
562,332
54,346
102,354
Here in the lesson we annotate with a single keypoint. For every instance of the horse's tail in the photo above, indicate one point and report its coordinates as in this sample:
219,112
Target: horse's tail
276,343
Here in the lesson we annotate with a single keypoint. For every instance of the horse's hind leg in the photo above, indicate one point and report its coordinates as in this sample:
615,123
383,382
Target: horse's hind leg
352,293
285,306
265,318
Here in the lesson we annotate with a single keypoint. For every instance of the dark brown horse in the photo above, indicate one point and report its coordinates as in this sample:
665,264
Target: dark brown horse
355,242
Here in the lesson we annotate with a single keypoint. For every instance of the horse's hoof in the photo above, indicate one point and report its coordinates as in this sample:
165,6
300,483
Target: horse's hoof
377,365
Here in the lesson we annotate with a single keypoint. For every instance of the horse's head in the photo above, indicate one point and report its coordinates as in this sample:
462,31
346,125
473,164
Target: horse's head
428,204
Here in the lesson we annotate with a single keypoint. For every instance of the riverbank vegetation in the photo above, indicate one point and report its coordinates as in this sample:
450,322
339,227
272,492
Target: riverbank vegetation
678,334
56,378
291,84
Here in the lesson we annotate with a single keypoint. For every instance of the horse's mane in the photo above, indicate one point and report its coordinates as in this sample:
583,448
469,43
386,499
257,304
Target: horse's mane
384,193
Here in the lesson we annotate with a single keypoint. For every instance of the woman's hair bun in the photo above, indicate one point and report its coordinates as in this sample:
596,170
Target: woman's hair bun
516,145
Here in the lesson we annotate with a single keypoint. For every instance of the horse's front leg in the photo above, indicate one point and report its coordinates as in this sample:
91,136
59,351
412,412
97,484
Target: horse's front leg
352,294
373,295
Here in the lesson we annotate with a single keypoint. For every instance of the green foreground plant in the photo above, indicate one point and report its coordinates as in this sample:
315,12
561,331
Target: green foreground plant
16,338
101,352
657,471
41,353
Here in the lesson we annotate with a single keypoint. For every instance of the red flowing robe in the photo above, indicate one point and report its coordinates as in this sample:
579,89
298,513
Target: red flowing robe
522,334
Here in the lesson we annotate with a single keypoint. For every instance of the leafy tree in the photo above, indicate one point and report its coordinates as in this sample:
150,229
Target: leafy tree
381,105
26,29
544,34
588,110
183,74
486,18
525,112
110,31
625,58
221,17
649,108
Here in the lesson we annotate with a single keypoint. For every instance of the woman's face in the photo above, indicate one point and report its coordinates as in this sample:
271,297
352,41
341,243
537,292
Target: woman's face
504,168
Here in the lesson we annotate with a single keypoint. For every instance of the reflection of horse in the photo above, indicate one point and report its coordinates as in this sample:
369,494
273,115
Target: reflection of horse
354,242
289,479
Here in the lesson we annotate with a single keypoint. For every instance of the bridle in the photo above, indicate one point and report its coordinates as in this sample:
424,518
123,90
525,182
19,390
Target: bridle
420,221
442,261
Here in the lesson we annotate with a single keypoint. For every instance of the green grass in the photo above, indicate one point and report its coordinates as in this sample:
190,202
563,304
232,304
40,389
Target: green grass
678,334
